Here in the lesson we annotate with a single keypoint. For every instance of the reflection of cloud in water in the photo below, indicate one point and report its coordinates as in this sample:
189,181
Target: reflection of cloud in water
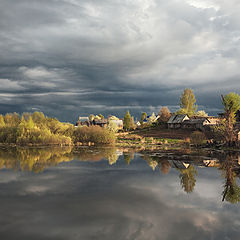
93,200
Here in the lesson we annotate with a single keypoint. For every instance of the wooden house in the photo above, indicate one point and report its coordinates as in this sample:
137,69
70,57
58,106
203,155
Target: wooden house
176,121
100,122
197,123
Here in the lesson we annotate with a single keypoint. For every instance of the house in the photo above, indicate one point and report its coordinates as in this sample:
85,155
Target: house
118,122
100,122
195,123
211,163
176,121
83,121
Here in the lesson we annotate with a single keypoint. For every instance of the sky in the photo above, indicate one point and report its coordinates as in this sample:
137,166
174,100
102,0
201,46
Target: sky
70,58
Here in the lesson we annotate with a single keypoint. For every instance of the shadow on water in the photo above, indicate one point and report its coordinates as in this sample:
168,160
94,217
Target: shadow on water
186,164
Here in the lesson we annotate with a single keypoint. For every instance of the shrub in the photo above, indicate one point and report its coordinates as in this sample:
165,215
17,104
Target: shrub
8,134
197,138
93,134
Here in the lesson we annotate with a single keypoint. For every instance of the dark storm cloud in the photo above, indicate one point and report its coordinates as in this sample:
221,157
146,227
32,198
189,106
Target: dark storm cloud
70,57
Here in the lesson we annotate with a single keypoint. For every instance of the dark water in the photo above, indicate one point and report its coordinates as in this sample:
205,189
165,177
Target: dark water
118,194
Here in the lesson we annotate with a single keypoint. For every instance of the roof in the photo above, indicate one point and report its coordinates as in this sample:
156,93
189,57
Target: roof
100,121
83,118
177,118
196,121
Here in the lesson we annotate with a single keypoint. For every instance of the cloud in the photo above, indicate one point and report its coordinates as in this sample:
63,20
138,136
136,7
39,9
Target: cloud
119,47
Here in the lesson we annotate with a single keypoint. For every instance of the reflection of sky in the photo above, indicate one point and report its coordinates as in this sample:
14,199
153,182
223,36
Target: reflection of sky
83,200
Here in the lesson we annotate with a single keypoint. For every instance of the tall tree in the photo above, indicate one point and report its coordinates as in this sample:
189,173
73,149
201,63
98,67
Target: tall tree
127,121
231,103
187,102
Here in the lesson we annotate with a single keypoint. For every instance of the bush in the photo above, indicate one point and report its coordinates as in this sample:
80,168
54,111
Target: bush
197,138
8,134
94,134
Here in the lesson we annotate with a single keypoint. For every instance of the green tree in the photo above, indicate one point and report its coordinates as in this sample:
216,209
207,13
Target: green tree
187,102
231,103
91,117
143,117
2,123
101,116
127,121
132,123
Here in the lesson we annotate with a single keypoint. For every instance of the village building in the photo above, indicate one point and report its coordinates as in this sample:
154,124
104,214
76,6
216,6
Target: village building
83,121
195,123
118,122
100,122
175,121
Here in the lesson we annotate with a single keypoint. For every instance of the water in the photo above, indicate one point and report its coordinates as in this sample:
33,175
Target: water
118,194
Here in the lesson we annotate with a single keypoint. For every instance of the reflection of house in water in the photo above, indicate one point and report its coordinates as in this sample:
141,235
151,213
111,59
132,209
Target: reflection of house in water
211,163
179,164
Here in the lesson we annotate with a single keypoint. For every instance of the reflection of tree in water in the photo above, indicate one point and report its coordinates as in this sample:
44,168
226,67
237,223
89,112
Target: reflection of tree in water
165,166
128,156
231,192
187,177
151,160
96,154
33,159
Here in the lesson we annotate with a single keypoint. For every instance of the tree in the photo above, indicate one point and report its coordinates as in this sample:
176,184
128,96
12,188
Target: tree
2,123
187,102
127,121
91,117
112,126
132,123
152,118
164,114
143,117
101,116
231,103
12,119
201,113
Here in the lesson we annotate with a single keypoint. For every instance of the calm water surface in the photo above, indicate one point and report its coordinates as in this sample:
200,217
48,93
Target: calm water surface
118,194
